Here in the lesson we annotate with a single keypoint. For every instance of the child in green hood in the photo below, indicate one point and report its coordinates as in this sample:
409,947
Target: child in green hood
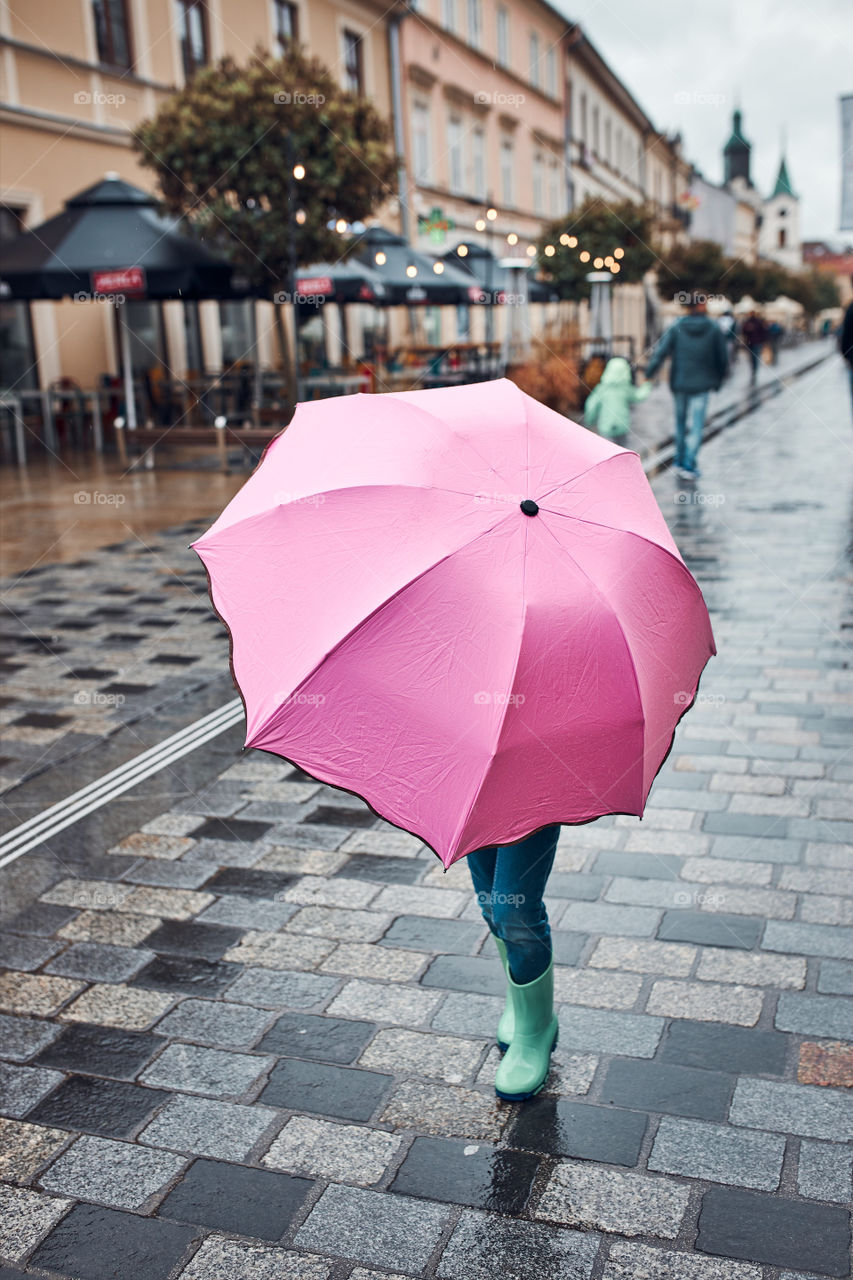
609,405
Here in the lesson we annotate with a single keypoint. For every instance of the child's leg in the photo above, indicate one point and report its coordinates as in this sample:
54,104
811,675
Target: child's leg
481,864
518,911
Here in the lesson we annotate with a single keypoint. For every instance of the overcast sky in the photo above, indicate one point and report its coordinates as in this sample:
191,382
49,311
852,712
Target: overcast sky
784,62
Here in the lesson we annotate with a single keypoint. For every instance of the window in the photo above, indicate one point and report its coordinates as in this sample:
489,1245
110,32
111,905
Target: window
538,183
583,120
596,140
191,21
507,174
456,177
112,32
448,10
534,59
475,23
551,72
619,154
503,36
607,141
18,368
554,203
782,237
421,150
478,163
286,22
353,68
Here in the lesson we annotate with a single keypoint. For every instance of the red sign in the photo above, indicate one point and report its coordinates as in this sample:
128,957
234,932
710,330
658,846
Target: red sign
126,280
313,284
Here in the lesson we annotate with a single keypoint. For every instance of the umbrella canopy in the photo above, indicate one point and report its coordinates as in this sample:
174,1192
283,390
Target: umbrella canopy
340,282
393,259
460,606
496,281
111,240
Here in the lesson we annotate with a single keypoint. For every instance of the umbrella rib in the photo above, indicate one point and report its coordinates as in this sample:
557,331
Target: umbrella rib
580,475
613,528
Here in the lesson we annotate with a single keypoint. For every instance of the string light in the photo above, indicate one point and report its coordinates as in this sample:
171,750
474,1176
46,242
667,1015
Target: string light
341,225
380,259
512,238
598,263
615,268
491,214
299,171
411,272
480,224
549,251
301,216
531,251
564,239
619,253
462,250
584,256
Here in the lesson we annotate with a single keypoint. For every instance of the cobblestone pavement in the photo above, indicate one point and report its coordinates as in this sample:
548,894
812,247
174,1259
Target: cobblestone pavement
259,1041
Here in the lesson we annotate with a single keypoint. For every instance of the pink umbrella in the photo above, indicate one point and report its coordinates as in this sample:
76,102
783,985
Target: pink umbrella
462,607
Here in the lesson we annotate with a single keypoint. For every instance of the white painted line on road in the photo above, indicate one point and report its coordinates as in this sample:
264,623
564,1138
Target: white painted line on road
61,815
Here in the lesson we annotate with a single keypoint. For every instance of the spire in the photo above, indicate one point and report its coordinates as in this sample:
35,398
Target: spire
736,152
783,182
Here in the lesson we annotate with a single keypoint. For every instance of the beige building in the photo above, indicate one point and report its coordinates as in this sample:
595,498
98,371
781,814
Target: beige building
76,77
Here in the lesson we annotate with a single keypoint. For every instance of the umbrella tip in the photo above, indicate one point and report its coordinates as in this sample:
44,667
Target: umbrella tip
111,176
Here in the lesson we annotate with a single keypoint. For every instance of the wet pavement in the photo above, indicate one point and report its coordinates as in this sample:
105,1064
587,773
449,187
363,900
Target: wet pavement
246,1028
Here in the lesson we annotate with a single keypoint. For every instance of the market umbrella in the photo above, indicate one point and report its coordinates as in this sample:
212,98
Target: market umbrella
340,282
110,241
410,276
460,606
496,281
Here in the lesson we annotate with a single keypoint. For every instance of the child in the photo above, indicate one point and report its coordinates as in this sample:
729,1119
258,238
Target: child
610,402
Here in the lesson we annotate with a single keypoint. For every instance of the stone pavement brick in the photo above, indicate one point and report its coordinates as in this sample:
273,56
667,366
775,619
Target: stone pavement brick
483,1246
474,1174
677,843
33,993
447,1058
630,1261
217,1023
819,909
97,962
387,1231
644,957
565,1127
105,1051
706,1002
219,1256
111,1108
648,892
304,1035
127,1244
481,974
602,917
398,844
601,990
341,1152
20,1038
319,1087
91,895
793,1108
381,1002
363,960
726,871
118,1005
469,1015
191,1069
145,845
234,1198
808,939
279,950
835,978
206,1127
630,1204
25,953
829,855
825,1171
119,1174
816,880
710,930
171,824
826,1064
173,904
718,1153
25,1147
123,930
830,1017
746,848
652,866
247,913
40,918
26,1216
333,892
275,989
444,1109
424,933
339,923
604,1031
775,1230
412,900
751,968
22,1087
724,1048
666,1087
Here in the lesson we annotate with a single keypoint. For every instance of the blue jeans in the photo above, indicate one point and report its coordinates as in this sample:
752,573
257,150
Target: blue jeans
509,881
690,413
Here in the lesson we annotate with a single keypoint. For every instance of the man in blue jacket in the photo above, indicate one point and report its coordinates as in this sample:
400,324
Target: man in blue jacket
698,364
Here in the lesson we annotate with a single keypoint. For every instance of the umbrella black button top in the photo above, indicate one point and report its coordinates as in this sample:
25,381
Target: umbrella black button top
529,507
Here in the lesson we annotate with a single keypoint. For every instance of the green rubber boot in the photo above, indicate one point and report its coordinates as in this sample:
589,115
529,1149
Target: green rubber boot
507,1018
523,1069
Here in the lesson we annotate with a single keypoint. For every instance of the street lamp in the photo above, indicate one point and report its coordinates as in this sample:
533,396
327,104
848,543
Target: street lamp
295,173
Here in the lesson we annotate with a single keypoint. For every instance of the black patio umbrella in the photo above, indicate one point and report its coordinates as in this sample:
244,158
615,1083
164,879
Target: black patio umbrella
111,241
411,277
347,281
495,281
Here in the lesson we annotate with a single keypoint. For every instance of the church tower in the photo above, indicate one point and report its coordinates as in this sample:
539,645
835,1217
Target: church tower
779,236
736,153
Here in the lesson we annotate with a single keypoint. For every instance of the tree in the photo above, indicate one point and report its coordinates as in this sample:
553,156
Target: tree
599,230
225,145
696,268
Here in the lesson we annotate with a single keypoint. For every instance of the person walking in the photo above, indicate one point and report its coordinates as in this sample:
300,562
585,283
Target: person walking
845,340
609,403
775,334
754,334
509,881
728,328
698,365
